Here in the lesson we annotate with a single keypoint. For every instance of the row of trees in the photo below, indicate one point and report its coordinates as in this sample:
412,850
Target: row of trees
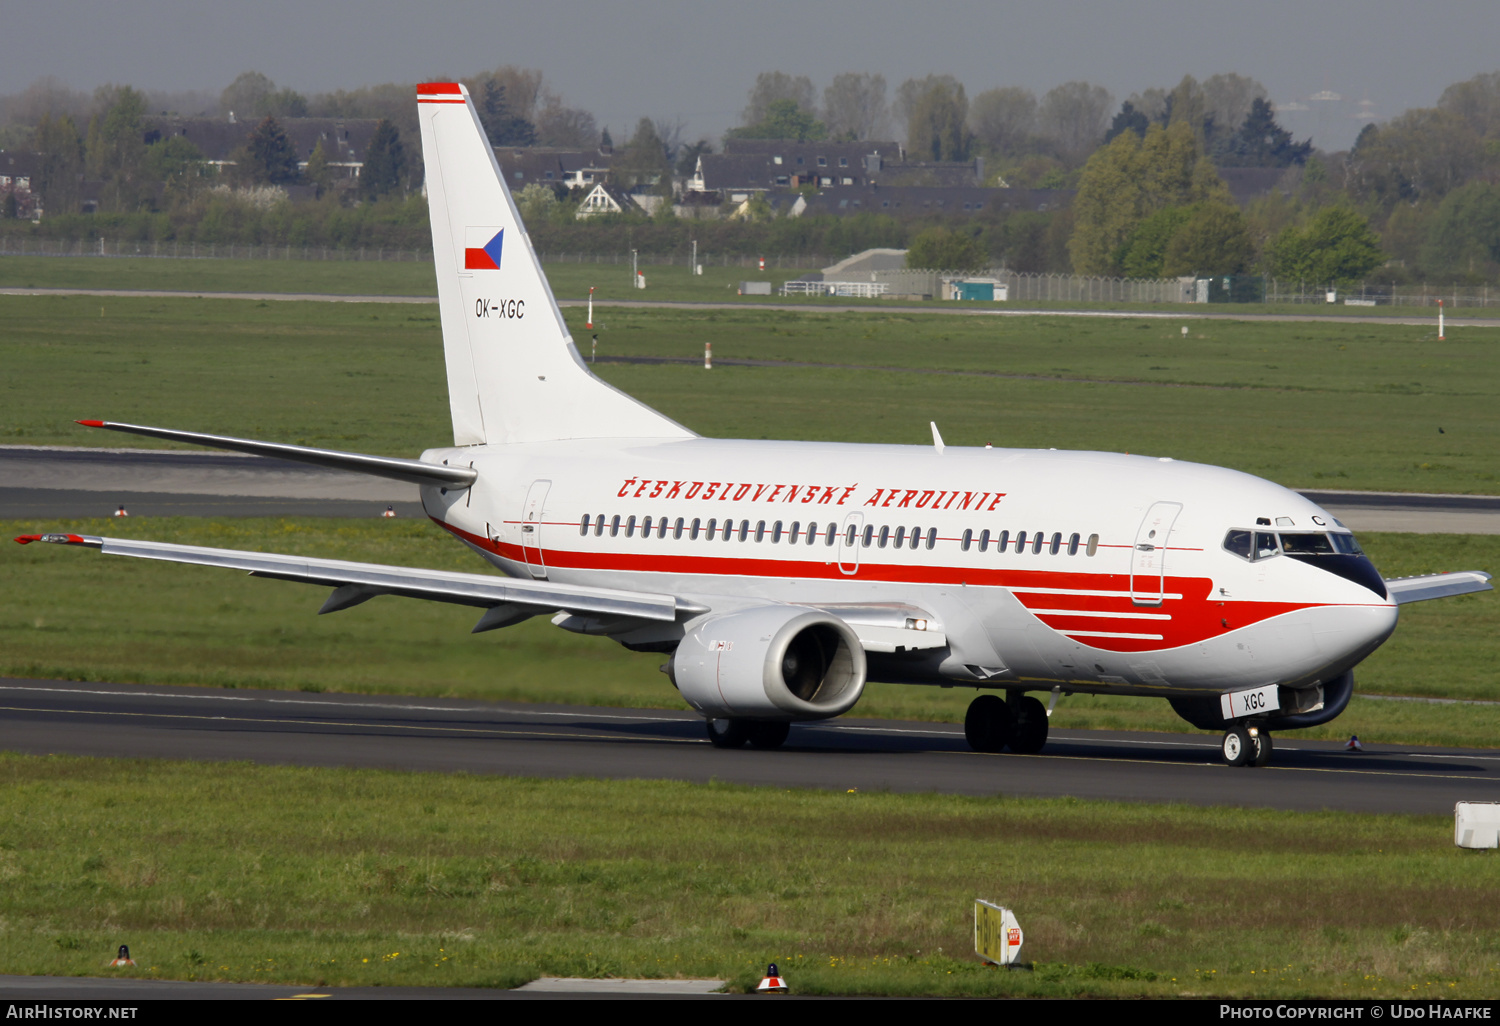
1417,196
134,175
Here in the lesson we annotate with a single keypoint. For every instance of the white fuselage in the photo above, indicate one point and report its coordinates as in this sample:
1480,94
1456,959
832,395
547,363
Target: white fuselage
1130,588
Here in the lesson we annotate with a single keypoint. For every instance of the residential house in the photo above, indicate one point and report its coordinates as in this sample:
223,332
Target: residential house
605,198
17,173
575,169
345,140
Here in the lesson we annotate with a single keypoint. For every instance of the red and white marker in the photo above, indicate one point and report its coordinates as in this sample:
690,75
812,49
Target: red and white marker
390,511
123,958
708,356
772,983
1353,745
121,512
589,324
1440,320
762,263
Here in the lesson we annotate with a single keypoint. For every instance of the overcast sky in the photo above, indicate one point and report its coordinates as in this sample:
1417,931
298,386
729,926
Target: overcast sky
696,61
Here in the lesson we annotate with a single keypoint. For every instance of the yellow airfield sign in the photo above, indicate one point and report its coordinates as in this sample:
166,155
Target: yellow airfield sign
997,935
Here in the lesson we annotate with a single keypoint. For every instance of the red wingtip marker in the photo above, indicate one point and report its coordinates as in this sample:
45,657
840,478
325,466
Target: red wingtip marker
27,539
90,423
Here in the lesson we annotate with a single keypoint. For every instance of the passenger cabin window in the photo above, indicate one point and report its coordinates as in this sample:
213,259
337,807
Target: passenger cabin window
833,533
1073,544
1020,542
931,537
599,525
693,531
869,534
984,541
966,540
614,527
630,528
677,530
1093,544
1036,544
885,536
776,533
583,525
760,530
1002,541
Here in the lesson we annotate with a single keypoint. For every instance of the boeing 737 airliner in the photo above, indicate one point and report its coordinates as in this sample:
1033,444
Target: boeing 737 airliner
779,577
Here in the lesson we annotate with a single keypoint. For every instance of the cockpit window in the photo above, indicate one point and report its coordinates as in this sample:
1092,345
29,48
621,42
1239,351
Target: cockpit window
1306,544
1253,545
1345,544
1238,542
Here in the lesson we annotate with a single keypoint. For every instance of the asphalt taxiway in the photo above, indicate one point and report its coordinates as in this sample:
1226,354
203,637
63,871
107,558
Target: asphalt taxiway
444,736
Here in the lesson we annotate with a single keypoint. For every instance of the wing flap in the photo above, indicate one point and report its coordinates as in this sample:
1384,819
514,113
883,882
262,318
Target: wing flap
356,582
1434,586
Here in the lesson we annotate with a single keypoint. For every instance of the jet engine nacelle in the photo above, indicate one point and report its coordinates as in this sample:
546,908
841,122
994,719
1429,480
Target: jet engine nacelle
770,663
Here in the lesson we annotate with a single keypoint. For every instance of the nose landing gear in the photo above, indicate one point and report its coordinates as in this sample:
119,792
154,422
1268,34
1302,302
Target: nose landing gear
1245,745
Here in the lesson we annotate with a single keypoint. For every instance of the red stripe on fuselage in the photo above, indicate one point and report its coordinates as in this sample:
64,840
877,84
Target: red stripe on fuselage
1195,617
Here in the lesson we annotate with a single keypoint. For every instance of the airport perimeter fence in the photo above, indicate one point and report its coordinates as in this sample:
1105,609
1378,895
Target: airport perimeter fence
23,246
1022,286
203,250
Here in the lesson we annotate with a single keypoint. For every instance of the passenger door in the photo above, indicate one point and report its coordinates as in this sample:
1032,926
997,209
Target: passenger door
531,528
1148,556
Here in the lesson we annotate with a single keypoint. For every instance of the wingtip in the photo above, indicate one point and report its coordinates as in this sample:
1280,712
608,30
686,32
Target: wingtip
60,539
90,423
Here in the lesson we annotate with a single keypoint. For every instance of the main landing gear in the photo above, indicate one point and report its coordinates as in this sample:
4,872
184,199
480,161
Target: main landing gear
993,724
1245,745
758,733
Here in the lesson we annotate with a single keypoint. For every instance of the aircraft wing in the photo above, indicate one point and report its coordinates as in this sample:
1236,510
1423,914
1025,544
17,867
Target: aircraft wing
506,599
1431,586
411,471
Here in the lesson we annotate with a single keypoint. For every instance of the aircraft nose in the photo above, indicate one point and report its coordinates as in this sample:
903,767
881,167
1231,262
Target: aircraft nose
1345,632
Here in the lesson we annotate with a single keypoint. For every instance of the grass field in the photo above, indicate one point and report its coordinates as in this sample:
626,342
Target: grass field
339,877
669,283
79,615
1326,405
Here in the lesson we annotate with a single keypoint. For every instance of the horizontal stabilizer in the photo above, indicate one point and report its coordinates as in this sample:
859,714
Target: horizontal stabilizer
1432,586
357,581
411,471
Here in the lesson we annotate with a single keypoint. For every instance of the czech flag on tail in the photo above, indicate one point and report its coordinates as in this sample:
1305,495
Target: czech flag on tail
482,248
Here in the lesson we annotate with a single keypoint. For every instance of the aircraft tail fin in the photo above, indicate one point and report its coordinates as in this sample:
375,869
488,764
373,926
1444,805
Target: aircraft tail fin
514,374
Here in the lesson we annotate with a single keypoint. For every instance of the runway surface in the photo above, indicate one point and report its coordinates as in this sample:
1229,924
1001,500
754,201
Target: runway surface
37,482
53,481
441,735
1244,314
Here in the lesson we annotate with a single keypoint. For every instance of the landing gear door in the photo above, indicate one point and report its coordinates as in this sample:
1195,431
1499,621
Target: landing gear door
1148,556
854,523
531,528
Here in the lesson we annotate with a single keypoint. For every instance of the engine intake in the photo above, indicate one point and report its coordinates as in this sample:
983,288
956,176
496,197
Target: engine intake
770,663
